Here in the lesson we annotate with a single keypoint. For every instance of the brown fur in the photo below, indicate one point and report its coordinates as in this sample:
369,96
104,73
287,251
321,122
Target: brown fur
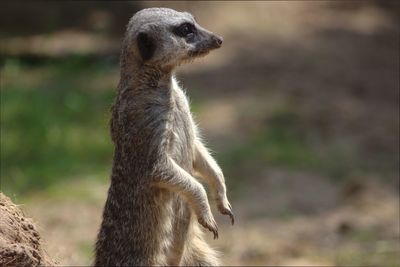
155,205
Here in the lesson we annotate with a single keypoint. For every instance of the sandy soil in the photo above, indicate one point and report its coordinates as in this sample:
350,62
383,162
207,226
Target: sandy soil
355,224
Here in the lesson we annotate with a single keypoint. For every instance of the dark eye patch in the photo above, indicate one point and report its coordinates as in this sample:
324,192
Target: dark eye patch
184,29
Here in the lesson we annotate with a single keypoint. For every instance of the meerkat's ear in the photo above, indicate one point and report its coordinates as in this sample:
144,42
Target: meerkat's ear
146,45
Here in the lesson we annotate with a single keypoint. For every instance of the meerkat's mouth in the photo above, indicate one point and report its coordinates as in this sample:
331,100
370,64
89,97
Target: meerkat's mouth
193,55
203,48
198,53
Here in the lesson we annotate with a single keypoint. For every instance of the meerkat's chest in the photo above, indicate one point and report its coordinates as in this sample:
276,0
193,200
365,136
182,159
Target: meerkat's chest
183,134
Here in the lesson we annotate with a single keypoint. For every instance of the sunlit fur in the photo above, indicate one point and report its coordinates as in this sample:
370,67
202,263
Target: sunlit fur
156,210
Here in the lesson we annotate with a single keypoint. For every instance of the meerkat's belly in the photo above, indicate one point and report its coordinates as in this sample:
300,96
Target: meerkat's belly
175,214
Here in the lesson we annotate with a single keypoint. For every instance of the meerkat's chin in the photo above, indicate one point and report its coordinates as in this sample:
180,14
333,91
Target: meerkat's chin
185,61
193,56
197,54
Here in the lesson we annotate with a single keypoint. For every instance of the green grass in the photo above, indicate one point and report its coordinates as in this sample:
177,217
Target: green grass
54,127
277,143
281,141
370,255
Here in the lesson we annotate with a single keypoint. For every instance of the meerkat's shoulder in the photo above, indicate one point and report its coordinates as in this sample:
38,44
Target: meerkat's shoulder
180,92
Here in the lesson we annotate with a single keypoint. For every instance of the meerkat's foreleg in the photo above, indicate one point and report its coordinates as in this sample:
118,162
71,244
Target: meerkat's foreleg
211,173
176,179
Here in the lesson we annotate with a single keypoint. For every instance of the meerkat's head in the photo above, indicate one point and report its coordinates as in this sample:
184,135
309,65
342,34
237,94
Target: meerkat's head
167,38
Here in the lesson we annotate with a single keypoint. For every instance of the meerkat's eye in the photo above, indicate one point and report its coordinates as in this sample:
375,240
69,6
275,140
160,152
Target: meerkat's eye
184,29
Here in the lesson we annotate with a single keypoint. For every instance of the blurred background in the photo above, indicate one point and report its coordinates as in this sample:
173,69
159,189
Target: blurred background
300,106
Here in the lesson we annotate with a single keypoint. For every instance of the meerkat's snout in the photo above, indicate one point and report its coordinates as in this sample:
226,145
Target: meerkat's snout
215,41
218,40
204,46
204,41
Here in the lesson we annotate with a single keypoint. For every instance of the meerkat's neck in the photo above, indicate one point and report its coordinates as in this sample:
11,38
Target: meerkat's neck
135,74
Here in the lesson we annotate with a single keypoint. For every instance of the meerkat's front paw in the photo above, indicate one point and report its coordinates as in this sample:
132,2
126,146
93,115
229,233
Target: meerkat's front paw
225,207
209,223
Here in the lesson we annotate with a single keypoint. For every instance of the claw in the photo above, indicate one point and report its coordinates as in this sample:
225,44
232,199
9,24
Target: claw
232,218
215,231
211,226
230,214
227,211
215,234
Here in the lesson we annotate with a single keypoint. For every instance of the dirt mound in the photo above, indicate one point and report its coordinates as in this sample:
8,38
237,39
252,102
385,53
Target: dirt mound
19,240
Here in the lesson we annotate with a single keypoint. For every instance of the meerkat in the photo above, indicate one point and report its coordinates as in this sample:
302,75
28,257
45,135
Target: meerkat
156,203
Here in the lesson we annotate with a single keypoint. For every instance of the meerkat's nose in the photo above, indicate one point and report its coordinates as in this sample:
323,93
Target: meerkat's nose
218,40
